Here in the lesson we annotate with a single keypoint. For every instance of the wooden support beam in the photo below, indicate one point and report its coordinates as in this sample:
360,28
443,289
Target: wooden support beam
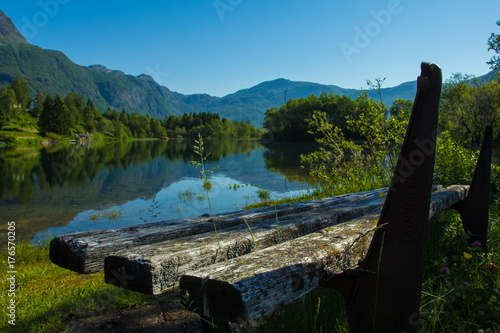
84,252
154,268
248,287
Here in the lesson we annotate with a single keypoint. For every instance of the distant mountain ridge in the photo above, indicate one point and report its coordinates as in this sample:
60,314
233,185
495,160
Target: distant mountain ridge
54,73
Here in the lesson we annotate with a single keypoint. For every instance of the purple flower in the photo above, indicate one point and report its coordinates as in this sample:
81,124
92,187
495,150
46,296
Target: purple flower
445,270
481,313
476,244
466,284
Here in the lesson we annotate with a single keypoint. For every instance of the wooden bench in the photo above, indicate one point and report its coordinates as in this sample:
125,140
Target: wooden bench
292,249
254,285
357,243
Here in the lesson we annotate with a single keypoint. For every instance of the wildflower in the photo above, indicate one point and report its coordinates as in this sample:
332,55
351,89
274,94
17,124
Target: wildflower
445,270
481,313
476,244
466,284
467,255
492,268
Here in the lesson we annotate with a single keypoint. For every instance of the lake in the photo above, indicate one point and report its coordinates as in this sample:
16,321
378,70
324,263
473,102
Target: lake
54,190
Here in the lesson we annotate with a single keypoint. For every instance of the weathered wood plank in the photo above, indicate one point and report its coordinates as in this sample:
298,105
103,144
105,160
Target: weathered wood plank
248,287
154,268
84,252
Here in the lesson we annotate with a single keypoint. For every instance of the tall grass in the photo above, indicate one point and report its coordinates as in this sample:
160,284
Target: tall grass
461,289
322,310
199,150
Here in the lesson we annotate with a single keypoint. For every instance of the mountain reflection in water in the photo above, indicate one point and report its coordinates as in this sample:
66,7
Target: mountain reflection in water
56,190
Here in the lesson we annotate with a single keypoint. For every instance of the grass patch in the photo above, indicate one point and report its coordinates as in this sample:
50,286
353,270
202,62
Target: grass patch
263,194
461,289
187,195
322,310
318,193
47,296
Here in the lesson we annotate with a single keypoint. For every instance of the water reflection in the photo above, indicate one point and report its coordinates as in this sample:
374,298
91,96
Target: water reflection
54,190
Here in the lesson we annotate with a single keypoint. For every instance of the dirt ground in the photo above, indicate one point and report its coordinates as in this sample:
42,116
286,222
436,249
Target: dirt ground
146,318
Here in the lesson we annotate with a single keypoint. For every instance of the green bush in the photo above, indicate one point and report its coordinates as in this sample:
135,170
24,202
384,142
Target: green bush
348,166
9,139
53,137
454,163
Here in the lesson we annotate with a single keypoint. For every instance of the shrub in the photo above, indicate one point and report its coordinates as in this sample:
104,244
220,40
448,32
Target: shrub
8,138
263,194
53,137
454,163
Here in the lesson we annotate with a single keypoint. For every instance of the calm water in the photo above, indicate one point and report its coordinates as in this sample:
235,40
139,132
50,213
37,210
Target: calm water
54,190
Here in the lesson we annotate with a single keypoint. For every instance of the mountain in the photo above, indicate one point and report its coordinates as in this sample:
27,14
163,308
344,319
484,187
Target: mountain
52,72
8,31
254,101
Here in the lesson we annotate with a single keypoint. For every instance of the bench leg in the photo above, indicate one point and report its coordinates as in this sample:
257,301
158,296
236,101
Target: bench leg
474,209
385,292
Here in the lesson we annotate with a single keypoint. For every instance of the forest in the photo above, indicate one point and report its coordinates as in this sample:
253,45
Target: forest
55,118
467,106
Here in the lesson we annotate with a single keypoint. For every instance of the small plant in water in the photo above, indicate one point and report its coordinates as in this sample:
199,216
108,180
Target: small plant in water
187,195
263,194
111,215
152,210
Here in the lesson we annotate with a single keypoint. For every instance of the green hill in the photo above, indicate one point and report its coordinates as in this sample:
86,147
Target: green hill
52,72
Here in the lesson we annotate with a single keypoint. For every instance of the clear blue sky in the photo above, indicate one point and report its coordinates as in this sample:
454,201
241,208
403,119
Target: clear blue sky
218,47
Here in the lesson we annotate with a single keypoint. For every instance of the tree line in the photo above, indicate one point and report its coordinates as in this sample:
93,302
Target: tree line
467,106
55,117
292,121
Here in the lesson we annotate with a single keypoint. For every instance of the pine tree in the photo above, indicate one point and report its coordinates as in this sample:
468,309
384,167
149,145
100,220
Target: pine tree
124,117
22,90
61,117
46,119
8,100
88,117
494,44
3,117
38,104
